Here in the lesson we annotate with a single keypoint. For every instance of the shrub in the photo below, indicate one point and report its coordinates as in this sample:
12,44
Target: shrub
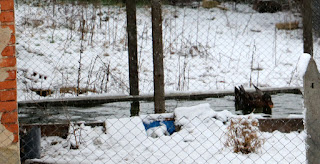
243,136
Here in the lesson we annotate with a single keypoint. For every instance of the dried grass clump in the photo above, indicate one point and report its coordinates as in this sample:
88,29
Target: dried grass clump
243,136
74,90
42,92
287,26
210,4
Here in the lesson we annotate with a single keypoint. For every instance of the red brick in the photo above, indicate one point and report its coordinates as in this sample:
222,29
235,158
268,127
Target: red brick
12,84
8,95
8,62
12,75
11,26
7,16
9,117
8,106
9,51
6,5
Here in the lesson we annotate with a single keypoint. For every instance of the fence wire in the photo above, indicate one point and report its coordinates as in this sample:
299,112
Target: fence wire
80,48
205,137
66,48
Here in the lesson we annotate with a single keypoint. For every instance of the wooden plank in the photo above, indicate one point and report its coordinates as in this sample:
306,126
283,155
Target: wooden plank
284,125
60,129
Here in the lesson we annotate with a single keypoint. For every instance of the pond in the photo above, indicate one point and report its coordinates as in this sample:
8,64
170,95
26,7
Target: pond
285,105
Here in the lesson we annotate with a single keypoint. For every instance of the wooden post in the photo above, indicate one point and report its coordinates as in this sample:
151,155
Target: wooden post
158,75
9,126
132,52
311,85
307,27
316,17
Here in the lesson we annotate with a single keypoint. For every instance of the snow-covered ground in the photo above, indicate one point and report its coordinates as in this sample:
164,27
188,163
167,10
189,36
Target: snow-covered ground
204,49
201,140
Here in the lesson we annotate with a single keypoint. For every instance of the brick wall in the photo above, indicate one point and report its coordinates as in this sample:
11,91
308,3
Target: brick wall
9,129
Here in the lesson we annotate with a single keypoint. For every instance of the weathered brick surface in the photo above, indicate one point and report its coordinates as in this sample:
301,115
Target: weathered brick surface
8,62
10,25
8,83
6,16
12,75
12,40
9,118
6,5
8,95
8,106
9,51
14,128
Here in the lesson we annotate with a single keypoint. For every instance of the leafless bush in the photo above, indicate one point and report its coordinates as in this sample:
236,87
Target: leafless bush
243,135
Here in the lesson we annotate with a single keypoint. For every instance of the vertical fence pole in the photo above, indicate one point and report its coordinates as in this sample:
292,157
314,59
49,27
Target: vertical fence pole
133,54
158,75
9,127
307,27
316,17
311,85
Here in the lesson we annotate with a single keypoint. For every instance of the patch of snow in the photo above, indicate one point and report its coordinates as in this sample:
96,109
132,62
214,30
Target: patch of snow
159,117
296,116
129,130
200,140
159,131
303,64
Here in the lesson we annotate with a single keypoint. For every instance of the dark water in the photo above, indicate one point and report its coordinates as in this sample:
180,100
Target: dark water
285,105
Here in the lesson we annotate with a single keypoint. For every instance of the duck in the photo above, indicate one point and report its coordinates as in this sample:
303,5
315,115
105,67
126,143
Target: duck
253,102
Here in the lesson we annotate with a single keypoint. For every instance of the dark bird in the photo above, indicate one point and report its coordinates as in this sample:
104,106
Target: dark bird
257,102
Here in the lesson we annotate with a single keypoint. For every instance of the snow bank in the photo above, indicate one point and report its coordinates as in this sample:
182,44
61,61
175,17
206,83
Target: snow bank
130,130
158,131
200,140
183,115
159,117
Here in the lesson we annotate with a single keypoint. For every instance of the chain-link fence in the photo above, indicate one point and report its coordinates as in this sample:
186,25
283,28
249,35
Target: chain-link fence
191,135
78,50
80,47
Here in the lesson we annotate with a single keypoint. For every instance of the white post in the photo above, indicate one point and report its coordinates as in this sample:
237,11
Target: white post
311,85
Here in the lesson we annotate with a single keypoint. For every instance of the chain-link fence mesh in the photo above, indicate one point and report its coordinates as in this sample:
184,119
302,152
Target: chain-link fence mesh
67,46
80,48
199,136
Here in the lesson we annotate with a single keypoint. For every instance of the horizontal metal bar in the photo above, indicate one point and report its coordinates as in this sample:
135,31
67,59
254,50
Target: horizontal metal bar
95,100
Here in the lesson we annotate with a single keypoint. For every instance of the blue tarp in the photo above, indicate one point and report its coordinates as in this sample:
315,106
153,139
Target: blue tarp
170,125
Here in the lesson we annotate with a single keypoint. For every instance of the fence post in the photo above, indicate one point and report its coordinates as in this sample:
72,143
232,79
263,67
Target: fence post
9,127
158,75
311,85
133,57
307,27
316,17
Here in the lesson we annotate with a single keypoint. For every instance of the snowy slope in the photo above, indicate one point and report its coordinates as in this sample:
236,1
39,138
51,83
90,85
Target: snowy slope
200,140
